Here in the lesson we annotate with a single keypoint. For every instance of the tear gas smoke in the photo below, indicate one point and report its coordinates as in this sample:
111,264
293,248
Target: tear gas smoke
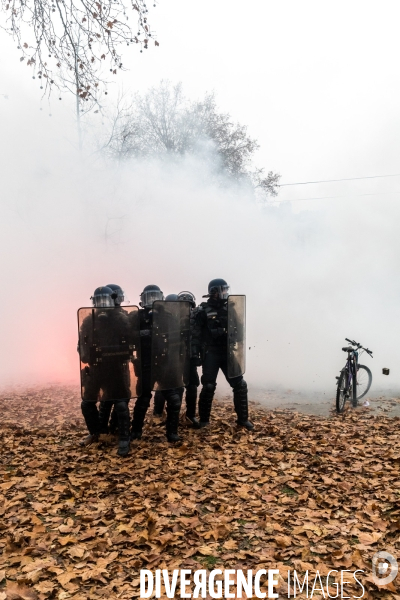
71,223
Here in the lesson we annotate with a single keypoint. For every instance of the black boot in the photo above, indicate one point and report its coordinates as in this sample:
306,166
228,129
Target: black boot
194,422
121,408
205,403
104,415
89,439
174,401
241,405
159,402
191,398
139,414
91,416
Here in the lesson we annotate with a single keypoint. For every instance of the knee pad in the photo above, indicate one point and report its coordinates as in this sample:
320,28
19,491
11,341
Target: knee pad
240,386
209,388
120,406
174,401
174,393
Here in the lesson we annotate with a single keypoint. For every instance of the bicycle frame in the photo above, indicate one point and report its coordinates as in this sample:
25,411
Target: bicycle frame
351,367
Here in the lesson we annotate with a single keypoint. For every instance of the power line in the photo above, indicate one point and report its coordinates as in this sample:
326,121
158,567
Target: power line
333,180
344,196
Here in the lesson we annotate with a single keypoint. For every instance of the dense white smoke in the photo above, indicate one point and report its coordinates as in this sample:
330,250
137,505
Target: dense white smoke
70,223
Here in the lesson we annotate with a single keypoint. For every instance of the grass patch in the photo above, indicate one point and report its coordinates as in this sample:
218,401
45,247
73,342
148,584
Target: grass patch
207,561
289,491
353,540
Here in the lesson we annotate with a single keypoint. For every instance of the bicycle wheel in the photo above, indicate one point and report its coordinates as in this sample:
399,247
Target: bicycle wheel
364,380
342,392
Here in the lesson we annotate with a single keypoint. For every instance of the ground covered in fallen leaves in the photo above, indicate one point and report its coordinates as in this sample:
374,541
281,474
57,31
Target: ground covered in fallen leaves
301,492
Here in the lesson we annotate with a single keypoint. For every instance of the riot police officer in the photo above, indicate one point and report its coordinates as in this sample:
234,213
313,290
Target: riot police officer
107,379
108,425
159,398
195,361
210,338
151,294
194,381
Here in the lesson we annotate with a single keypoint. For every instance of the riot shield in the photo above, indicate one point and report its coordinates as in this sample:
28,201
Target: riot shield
109,350
170,353
236,335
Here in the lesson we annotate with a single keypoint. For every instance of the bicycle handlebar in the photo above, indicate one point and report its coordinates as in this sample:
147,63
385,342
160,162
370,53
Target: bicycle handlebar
367,350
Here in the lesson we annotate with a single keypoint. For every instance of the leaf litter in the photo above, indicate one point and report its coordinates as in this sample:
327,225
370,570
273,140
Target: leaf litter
300,492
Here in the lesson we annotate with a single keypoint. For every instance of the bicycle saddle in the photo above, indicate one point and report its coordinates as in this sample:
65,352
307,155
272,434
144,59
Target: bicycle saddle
348,349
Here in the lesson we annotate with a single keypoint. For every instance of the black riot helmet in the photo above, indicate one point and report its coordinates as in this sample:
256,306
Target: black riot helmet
102,297
187,297
171,298
118,294
150,294
219,288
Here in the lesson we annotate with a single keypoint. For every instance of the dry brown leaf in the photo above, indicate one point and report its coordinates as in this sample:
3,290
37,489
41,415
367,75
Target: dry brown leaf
230,545
283,541
106,560
269,493
77,551
205,550
369,538
15,591
45,587
7,485
66,540
65,578
93,573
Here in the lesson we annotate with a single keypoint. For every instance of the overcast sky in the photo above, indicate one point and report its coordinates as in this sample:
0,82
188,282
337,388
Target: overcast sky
316,82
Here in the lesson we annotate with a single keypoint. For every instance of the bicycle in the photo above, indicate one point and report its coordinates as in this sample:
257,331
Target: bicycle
354,380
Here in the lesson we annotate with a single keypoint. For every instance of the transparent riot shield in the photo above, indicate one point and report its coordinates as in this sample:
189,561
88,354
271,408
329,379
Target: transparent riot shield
109,351
170,354
236,335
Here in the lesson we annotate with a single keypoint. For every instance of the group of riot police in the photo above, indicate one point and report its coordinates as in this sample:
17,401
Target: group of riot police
129,352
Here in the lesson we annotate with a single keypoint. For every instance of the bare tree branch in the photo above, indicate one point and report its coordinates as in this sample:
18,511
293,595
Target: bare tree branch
164,122
70,44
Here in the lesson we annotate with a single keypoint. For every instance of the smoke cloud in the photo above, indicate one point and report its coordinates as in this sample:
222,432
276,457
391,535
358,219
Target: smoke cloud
71,222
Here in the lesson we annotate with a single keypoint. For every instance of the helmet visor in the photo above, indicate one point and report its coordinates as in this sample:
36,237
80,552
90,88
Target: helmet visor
222,291
151,296
121,298
186,297
102,301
